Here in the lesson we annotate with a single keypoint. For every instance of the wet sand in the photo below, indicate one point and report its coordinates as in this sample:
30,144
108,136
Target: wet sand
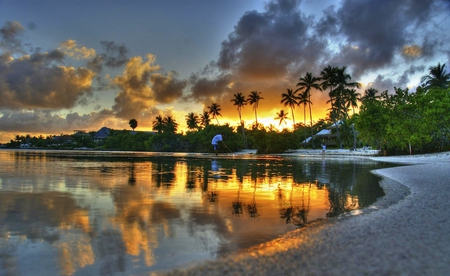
405,232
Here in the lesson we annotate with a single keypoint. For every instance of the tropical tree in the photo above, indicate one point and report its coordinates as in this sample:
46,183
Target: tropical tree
369,94
282,116
214,109
304,99
158,124
307,83
344,87
133,124
338,80
290,99
437,77
204,119
253,99
170,125
192,121
352,99
239,101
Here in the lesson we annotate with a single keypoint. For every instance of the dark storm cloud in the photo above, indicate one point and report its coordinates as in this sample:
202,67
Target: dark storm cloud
9,36
270,46
115,55
209,89
166,87
376,31
265,45
328,24
270,50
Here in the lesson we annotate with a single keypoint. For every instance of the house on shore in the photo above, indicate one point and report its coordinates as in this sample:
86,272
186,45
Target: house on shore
102,134
327,136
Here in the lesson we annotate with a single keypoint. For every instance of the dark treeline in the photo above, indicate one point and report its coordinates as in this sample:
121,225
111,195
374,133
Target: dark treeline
400,123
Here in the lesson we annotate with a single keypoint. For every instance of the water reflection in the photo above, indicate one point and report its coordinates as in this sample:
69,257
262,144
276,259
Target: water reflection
103,213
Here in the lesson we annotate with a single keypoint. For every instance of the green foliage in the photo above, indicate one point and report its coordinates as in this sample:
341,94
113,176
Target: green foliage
272,142
165,142
126,140
406,122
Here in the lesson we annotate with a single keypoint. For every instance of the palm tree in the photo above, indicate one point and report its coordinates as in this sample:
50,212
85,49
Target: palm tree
133,124
158,125
192,120
337,80
253,99
282,116
240,101
436,77
170,126
352,99
303,99
204,119
214,109
370,94
290,99
307,83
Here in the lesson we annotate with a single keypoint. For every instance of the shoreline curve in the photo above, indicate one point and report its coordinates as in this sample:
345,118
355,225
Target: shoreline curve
403,233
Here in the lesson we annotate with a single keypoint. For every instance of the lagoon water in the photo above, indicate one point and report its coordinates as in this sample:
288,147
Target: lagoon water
128,213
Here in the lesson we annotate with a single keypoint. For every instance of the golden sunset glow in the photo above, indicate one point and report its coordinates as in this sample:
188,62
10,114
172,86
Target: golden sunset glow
95,72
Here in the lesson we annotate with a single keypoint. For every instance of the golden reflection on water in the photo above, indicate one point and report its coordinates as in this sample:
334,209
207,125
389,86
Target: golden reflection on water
108,216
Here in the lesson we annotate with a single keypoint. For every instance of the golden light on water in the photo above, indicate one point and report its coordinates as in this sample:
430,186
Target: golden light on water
142,208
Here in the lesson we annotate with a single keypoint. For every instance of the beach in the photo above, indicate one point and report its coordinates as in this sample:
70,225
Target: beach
404,233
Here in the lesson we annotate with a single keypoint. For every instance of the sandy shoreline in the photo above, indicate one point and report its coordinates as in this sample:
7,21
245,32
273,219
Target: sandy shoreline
404,233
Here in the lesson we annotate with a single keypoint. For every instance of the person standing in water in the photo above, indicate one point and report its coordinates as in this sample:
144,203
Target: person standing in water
215,142
324,147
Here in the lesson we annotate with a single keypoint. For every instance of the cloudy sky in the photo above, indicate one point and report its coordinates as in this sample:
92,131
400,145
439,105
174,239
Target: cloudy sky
81,65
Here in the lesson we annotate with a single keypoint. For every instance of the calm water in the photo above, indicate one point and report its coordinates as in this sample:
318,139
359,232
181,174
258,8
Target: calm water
105,213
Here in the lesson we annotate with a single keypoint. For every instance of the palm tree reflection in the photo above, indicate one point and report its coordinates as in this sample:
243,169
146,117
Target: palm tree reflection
252,208
297,214
237,204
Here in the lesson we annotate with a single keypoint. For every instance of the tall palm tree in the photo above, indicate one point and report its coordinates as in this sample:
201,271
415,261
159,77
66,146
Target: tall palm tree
307,83
214,109
253,99
282,116
290,99
352,99
303,99
192,120
170,125
337,79
346,91
204,119
370,94
436,77
158,125
240,101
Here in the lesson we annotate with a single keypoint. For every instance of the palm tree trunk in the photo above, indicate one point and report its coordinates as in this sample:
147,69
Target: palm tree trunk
293,119
310,122
243,134
304,121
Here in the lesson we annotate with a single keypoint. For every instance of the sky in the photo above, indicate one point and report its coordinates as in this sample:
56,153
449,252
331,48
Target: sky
82,65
